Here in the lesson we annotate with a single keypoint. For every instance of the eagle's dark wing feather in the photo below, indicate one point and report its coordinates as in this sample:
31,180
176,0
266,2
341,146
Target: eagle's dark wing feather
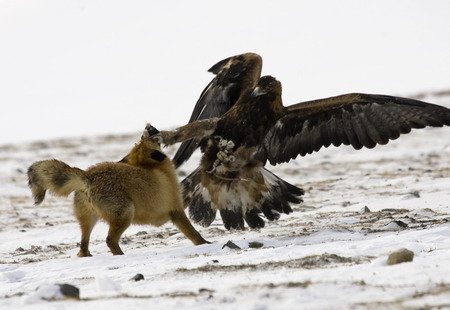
215,100
235,77
360,120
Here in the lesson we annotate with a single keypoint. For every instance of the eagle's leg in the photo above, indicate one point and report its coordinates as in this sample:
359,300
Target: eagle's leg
224,156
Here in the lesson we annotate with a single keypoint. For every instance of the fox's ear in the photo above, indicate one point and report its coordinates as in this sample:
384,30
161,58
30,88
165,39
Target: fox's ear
124,160
158,156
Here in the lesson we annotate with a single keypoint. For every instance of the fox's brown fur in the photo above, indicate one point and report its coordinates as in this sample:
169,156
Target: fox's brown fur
144,190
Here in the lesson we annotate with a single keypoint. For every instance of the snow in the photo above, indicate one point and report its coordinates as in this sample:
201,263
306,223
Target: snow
106,284
79,80
44,293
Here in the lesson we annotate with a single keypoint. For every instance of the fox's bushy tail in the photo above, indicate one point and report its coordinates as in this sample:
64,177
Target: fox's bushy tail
55,176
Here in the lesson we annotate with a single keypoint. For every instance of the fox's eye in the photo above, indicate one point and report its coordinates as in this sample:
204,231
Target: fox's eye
157,155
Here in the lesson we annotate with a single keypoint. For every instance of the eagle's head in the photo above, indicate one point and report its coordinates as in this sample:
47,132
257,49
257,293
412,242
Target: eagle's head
267,86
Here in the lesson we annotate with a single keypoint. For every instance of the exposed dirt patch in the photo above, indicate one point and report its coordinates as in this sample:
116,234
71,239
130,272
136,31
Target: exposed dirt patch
309,262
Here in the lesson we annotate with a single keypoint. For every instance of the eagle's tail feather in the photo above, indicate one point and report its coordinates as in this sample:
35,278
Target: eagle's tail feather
279,197
276,200
253,219
232,219
200,210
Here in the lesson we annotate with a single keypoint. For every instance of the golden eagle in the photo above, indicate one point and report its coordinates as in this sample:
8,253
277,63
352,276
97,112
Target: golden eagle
240,123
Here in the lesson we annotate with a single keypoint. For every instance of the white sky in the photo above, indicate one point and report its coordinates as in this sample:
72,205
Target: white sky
84,67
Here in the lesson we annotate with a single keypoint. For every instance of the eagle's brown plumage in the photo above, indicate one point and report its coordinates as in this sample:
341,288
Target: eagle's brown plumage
235,78
246,109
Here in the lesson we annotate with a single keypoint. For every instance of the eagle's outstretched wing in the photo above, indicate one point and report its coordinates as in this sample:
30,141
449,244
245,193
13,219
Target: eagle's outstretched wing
235,77
360,120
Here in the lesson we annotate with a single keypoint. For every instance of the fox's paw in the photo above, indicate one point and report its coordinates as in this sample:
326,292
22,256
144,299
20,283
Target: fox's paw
151,132
157,138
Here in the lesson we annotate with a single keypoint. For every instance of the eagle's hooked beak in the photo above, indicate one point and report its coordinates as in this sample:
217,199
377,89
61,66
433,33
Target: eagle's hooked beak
258,91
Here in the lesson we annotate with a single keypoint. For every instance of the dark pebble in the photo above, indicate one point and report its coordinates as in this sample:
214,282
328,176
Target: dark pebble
400,256
69,291
137,277
255,245
231,245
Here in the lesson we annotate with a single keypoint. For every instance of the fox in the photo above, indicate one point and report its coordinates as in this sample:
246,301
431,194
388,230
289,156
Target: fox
143,188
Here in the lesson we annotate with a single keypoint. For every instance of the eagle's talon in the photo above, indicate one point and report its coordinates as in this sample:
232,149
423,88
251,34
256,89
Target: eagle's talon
225,151
230,145
222,156
222,144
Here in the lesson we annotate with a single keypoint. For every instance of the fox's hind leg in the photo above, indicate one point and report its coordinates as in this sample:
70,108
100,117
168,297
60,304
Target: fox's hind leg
87,220
117,225
116,229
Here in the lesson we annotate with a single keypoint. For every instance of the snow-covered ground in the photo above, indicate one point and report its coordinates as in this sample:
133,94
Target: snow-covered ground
327,254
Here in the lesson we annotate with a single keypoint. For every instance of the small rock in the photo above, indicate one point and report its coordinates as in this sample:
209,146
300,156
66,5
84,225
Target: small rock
415,194
69,291
53,247
137,277
364,210
231,245
255,244
53,292
36,248
400,256
215,261
205,290
401,224
389,210
125,240
411,195
397,225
